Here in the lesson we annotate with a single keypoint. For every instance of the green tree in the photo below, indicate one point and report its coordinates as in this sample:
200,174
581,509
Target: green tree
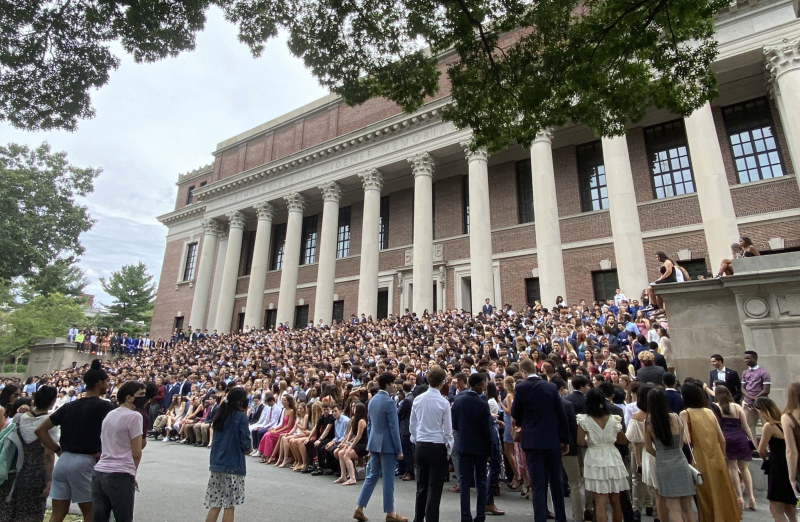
40,318
40,219
514,66
62,276
133,290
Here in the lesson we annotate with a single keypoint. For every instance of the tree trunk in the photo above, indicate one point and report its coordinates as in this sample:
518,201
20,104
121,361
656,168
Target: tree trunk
16,363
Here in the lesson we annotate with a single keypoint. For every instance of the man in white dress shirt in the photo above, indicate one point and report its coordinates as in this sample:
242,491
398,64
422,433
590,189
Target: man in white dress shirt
431,428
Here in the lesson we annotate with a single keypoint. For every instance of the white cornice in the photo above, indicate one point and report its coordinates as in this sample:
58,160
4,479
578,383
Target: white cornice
196,173
181,214
371,134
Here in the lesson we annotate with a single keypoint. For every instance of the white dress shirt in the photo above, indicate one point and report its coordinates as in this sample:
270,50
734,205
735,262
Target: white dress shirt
431,420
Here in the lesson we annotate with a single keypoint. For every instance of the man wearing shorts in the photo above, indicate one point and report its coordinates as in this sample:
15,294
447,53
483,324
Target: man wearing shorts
81,422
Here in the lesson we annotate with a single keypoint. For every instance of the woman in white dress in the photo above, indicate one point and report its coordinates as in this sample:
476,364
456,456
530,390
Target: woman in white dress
603,469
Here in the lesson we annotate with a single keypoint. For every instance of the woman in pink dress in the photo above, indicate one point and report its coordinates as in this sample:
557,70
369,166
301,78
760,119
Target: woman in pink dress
270,441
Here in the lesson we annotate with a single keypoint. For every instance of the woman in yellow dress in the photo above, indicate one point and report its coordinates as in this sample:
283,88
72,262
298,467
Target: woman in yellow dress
716,499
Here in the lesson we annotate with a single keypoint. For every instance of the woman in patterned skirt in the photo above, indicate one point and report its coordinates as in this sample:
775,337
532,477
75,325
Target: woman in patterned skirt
738,438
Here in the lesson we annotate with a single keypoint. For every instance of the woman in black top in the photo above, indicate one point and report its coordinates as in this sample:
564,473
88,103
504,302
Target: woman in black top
667,276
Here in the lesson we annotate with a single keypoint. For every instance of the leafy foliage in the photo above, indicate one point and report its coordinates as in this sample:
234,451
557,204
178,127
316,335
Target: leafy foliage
40,318
40,220
133,291
62,276
514,66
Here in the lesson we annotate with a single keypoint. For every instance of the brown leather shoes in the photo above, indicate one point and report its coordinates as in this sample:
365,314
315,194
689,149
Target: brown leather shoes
360,516
396,518
454,489
491,509
407,477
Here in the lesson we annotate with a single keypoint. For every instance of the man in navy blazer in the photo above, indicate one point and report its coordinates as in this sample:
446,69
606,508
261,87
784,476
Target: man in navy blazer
384,447
474,444
728,376
538,410
488,309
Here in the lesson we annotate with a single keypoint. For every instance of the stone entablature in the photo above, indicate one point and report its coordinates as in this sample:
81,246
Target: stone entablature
205,170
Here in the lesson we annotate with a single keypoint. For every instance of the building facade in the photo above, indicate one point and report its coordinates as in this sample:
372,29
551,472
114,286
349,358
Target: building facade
333,210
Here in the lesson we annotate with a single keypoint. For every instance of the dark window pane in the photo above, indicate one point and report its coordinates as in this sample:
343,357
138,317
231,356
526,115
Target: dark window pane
190,195
383,238
532,291
248,250
751,133
524,191
278,244
308,243
695,267
670,168
592,176
301,316
605,284
465,204
191,257
343,234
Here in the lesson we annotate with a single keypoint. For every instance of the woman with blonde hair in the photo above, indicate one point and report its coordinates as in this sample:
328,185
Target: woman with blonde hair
791,431
297,444
286,456
738,438
780,491
508,433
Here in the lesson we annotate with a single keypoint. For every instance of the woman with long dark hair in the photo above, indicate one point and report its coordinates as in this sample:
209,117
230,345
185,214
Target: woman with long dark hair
8,396
663,439
643,476
667,271
231,443
738,438
354,445
603,469
780,493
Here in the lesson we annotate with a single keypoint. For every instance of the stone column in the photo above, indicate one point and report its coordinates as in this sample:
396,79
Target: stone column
202,287
326,269
230,273
545,212
480,228
422,167
372,180
783,64
625,227
258,270
711,181
222,241
296,204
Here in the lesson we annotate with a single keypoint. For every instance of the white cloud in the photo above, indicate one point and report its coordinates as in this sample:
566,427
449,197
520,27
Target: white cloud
155,121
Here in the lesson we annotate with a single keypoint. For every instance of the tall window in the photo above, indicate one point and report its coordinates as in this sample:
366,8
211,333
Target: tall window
191,257
190,195
308,243
248,250
670,168
751,132
278,244
203,184
524,191
532,291
433,209
605,284
465,203
343,235
592,174
383,234
695,267
300,316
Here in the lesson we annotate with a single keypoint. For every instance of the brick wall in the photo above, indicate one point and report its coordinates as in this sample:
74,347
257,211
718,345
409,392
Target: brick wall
448,207
183,190
170,301
779,194
668,213
640,167
503,208
401,219
565,164
513,273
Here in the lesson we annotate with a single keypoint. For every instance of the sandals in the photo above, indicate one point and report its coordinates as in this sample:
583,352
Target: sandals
340,480
350,482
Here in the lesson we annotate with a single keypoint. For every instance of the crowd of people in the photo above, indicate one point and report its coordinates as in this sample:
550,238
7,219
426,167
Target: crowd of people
579,401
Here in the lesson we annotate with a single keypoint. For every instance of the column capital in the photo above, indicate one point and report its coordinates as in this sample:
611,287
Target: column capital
235,219
295,202
474,154
223,232
331,191
211,226
265,210
371,179
544,135
422,164
782,57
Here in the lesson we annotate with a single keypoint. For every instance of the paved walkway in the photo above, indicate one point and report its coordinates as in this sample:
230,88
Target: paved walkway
173,478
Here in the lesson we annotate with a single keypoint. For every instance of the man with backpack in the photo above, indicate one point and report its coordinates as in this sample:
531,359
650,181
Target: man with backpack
81,422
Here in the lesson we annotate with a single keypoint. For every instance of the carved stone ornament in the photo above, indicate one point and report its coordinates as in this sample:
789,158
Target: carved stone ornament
211,226
331,191
235,219
474,155
295,202
409,260
371,179
782,57
545,135
438,252
756,308
224,231
789,304
400,282
265,210
422,164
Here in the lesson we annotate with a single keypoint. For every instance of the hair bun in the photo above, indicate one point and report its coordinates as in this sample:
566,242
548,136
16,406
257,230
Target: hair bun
96,365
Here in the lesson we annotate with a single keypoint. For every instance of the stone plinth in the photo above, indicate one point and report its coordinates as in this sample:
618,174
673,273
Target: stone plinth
757,308
56,354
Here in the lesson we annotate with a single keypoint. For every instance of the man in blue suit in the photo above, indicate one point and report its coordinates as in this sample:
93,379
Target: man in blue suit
384,447
538,410
488,309
474,444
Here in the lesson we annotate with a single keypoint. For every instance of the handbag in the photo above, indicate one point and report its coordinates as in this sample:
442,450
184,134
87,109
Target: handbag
696,475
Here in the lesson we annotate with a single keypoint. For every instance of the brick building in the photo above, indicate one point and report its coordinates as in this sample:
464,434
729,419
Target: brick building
333,210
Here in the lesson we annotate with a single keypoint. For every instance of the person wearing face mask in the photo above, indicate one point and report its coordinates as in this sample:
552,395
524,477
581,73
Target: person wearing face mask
143,405
114,478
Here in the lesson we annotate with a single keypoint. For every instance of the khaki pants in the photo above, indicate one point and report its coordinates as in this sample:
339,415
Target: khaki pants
640,492
160,422
751,415
201,432
573,467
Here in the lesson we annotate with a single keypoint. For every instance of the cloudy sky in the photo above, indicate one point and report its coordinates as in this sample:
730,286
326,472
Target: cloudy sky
155,121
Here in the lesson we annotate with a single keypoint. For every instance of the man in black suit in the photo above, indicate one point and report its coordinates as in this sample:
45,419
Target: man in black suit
474,444
404,417
577,398
673,396
488,309
730,377
186,385
538,410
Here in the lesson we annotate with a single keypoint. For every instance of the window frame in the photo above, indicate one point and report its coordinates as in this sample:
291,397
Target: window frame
309,240
465,204
532,281
525,180
343,232
735,127
658,148
610,291
591,168
190,195
383,224
278,246
189,262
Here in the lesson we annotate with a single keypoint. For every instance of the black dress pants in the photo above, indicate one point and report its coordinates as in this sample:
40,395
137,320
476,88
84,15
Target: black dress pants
431,460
